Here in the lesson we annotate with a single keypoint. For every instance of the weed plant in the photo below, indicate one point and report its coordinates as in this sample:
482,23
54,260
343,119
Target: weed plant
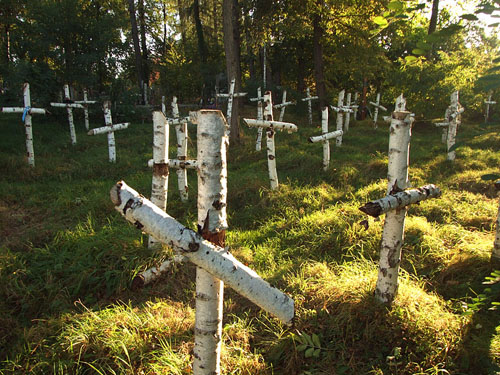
67,258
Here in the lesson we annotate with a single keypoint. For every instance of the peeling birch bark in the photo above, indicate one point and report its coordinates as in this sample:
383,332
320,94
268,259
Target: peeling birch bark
212,138
392,238
348,114
455,119
152,220
181,132
159,186
309,99
399,200
27,112
495,254
109,129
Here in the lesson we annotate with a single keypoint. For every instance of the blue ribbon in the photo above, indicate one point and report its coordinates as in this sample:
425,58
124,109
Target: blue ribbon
25,112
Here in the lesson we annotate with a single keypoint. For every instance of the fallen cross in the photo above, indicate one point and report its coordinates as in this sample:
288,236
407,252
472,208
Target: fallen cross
450,125
69,105
341,109
309,99
395,203
259,99
283,106
377,106
109,129
27,111
324,137
271,125
205,249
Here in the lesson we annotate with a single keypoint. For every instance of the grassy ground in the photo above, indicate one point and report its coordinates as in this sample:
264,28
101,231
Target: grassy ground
67,258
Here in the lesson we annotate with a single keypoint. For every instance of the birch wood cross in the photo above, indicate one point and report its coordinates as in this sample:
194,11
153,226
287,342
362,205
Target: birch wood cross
488,103
395,203
230,96
205,249
309,99
355,106
271,126
352,108
324,137
69,105
453,119
377,106
27,111
85,102
283,105
259,99
109,129
341,109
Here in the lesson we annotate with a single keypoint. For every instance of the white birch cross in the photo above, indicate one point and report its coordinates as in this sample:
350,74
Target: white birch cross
230,96
85,102
259,99
488,103
395,203
271,126
450,125
283,105
205,248
27,111
109,129
341,109
377,107
69,105
309,99
355,106
324,137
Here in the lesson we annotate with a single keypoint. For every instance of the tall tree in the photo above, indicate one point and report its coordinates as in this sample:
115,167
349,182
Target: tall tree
319,65
135,39
434,17
230,15
144,45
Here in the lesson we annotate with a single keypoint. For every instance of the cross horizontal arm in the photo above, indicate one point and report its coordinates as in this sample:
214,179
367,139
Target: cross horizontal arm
285,104
178,121
67,105
213,259
310,98
400,200
178,164
441,124
277,125
85,101
378,106
235,95
259,98
343,109
32,111
326,136
108,129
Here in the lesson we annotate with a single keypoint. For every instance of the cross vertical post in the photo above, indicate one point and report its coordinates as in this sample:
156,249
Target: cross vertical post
324,138
348,114
488,103
340,116
309,99
377,106
356,106
260,116
181,131
84,103
283,106
455,119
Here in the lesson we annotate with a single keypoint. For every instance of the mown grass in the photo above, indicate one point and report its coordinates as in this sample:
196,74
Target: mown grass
67,258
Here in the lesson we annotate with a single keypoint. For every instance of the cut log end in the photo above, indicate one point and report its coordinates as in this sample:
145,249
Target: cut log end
372,209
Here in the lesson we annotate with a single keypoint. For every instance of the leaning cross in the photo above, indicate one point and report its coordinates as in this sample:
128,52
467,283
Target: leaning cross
205,248
283,105
259,99
109,129
85,102
324,137
27,111
341,109
395,203
69,105
309,99
271,125
230,96
377,106
488,103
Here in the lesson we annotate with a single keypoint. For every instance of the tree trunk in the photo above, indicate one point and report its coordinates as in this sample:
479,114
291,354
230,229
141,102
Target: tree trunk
137,48
182,22
319,76
202,48
212,224
434,17
232,49
144,51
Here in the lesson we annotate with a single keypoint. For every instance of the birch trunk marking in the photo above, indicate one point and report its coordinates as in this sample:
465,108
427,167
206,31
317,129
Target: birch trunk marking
283,106
348,114
309,99
260,116
152,220
399,200
159,185
212,138
109,129
495,254
392,237
455,119
27,111
488,103
181,131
